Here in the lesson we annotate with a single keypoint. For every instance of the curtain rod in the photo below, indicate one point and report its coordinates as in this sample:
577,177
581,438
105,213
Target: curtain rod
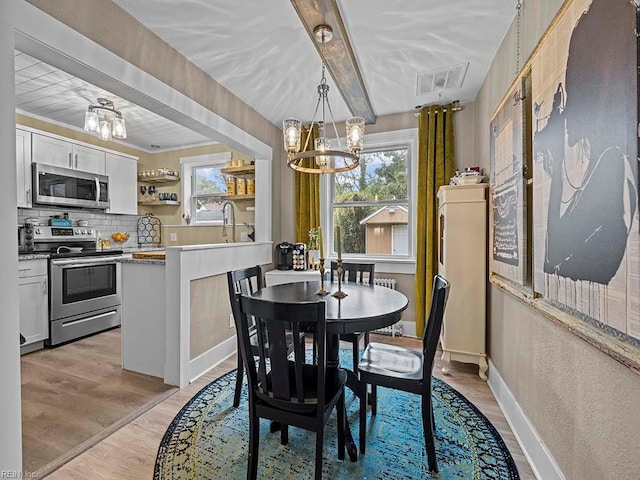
457,108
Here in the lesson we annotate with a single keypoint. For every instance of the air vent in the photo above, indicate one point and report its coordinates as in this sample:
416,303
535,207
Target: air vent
441,79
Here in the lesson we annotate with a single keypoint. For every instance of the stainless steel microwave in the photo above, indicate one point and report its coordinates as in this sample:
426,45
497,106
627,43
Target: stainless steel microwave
69,188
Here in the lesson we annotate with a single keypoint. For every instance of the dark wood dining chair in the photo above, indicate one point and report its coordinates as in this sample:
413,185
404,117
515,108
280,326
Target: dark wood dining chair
247,281
354,272
288,390
407,370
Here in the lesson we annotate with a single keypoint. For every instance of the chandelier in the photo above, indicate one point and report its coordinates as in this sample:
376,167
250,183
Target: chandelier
327,158
105,121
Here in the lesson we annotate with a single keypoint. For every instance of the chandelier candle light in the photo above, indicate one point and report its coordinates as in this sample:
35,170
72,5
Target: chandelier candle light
104,121
326,159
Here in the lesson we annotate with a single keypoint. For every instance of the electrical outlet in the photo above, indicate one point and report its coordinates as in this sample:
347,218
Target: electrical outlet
244,236
231,322
173,237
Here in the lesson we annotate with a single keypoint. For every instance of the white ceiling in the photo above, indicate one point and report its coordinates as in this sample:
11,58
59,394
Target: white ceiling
261,52
47,92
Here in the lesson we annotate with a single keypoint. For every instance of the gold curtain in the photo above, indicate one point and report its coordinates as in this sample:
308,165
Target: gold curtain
307,194
436,165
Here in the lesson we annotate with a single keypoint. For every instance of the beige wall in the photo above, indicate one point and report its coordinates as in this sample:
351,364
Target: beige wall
209,314
584,404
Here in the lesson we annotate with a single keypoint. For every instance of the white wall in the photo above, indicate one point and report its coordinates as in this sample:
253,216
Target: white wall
10,413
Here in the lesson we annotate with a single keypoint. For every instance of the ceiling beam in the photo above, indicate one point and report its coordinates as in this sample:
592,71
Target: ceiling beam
337,54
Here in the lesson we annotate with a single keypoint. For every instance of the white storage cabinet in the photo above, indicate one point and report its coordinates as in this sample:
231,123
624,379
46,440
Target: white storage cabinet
462,260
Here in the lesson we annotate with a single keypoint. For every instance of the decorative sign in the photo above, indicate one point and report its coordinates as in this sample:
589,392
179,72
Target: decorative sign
509,236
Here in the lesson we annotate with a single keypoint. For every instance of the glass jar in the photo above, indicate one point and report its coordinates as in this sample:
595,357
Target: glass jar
251,186
241,188
231,185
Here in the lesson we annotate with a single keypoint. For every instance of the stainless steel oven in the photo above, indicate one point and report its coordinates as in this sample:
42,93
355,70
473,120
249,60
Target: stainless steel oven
84,296
84,284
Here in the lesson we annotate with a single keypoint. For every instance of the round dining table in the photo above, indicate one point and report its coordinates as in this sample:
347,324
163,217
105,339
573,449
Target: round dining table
364,308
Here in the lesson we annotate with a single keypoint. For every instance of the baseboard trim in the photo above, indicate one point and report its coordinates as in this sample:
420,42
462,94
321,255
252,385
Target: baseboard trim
211,358
538,455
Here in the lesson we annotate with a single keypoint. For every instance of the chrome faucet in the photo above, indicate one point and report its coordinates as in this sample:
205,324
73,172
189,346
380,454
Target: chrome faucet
224,221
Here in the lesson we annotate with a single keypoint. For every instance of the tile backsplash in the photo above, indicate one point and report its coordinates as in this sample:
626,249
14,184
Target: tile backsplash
106,224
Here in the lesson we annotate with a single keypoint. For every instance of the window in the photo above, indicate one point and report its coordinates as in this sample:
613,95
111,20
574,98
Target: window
207,183
201,194
372,203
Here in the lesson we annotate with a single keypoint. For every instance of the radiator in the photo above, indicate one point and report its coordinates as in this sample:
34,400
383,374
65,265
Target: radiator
392,330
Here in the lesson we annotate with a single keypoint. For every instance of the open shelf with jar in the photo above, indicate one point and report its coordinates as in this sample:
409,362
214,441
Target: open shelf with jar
159,179
226,196
160,175
245,171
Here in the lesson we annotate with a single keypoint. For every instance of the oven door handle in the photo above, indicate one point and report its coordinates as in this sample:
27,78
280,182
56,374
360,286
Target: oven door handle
85,262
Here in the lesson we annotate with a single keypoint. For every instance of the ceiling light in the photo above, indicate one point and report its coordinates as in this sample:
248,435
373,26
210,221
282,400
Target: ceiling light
104,121
328,154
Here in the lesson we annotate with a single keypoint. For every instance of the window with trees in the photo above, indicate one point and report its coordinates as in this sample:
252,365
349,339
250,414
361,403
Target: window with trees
371,204
201,193
208,183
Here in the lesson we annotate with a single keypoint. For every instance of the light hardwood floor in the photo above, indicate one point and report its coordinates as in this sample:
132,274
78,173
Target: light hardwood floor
131,451
74,394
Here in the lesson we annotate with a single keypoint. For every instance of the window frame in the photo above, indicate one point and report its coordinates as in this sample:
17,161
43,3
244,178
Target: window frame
390,140
188,165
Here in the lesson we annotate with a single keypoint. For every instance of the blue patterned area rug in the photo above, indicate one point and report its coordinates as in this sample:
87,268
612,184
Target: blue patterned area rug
209,439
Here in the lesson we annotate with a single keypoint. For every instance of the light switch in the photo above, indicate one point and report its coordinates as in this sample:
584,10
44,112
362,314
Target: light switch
173,237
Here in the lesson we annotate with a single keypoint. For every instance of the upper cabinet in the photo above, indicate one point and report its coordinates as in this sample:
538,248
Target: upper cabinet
23,167
63,153
33,146
123,195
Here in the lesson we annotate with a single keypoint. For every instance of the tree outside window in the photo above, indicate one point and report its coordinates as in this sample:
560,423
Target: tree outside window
208,183
371,204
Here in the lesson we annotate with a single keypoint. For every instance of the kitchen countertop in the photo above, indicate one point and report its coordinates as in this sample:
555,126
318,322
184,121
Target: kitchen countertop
148,257
32,256
126,250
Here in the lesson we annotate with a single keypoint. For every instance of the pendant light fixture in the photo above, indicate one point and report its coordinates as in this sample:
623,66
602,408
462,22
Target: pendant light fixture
328,154
104,121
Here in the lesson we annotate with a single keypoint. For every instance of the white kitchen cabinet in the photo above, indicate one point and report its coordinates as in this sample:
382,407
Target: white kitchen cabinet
62,153
33,291
23,168
462,260
123,184
89,159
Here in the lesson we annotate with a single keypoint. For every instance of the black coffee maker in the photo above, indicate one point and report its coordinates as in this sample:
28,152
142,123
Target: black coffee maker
284,256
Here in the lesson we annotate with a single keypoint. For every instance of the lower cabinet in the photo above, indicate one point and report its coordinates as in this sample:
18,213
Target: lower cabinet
34,300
